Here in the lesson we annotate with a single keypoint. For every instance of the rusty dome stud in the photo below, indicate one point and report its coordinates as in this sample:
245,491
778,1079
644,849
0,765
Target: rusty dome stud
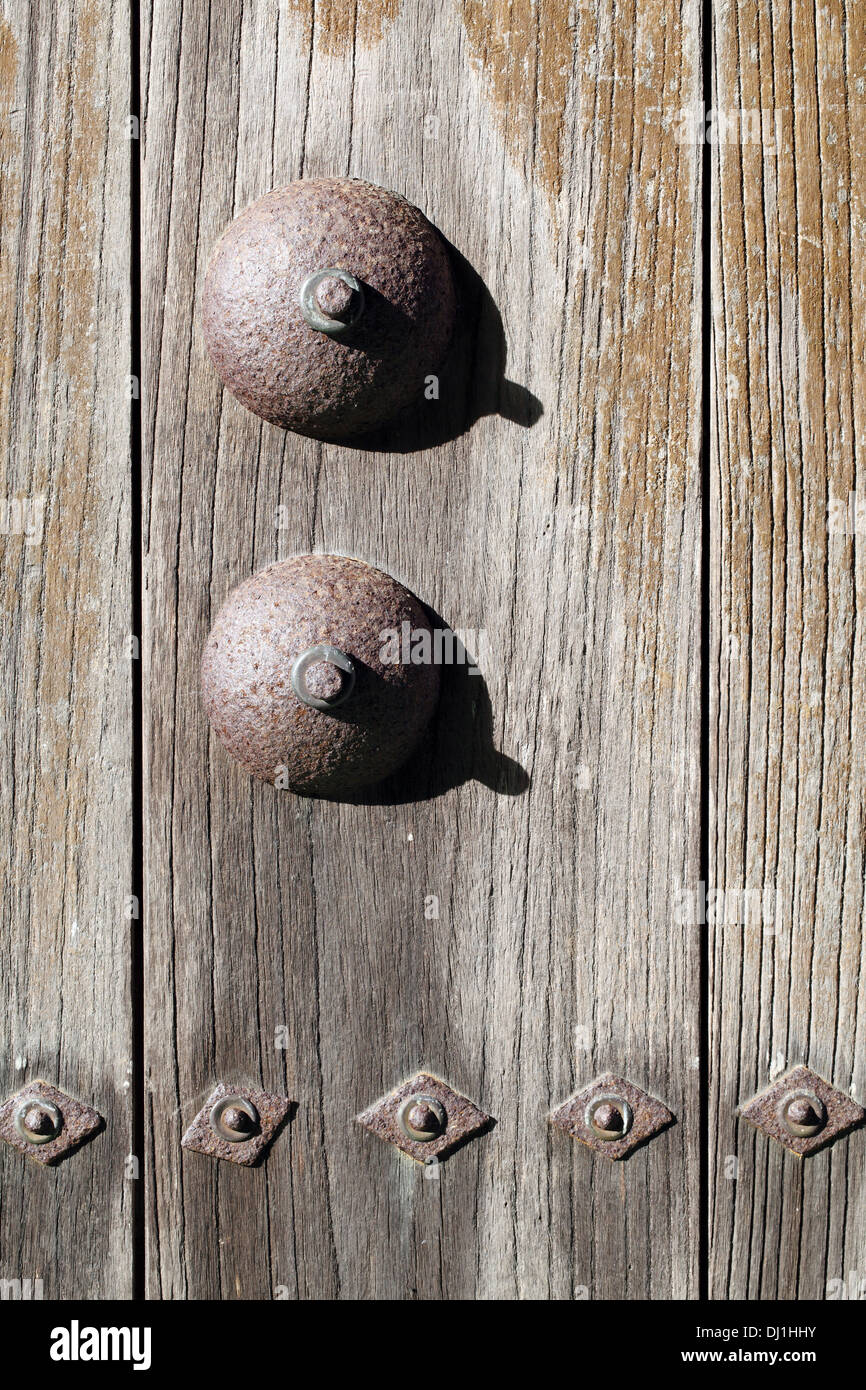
802,1111
45,1123
444,1118
306,679
237,1124
327,304
612,1116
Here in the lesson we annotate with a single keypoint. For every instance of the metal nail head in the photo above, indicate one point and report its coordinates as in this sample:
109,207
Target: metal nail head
37,1122
332,301
803,1114
425,1118
422,1118
802,1111
323,677
234,1119
609,1117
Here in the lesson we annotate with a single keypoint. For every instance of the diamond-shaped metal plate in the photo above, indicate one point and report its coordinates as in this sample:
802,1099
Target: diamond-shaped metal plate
272,1112
764,1111
79,1122
463,1119
649,1116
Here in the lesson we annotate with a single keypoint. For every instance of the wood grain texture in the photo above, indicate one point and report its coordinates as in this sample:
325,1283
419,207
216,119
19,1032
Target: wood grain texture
554,810
65,715
786,667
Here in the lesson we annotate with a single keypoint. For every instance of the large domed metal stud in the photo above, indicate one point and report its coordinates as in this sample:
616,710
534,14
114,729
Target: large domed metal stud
304,679
326,305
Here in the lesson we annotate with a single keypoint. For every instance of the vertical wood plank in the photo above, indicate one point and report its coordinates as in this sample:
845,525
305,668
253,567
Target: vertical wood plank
65,715
553,814
787,596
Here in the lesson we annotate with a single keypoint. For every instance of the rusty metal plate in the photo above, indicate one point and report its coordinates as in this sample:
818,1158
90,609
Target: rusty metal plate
460,1122
646,1116
271,1112
77,1123
766,1111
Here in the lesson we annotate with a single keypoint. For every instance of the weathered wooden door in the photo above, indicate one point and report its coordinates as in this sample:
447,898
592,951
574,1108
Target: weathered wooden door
635,497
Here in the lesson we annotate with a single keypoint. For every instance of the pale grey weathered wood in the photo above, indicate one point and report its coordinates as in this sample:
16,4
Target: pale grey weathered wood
549,159
65,713
787,670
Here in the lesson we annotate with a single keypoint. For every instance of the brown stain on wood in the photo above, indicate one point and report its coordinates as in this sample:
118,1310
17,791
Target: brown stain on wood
64,302
61,313
10,146
524,48
66,279
341,25
635,314
8,67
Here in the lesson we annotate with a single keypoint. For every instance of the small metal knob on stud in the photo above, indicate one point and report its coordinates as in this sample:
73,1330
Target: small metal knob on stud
38,1122
234,1119
323,677
803,1114
609,1117
422,1118
332,301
